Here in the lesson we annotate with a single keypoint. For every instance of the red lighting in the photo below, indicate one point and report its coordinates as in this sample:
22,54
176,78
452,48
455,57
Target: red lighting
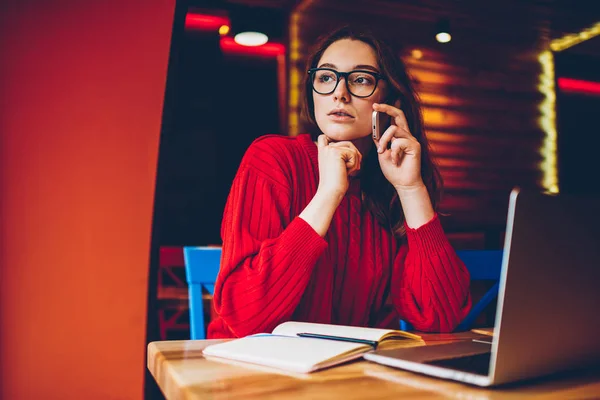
578,86
204,22
228,45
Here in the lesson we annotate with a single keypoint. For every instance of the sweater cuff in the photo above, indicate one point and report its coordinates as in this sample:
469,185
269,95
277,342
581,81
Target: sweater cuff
429,237
301,242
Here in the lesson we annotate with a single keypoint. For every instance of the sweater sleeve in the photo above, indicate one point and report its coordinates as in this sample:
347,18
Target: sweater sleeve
430,284
268,255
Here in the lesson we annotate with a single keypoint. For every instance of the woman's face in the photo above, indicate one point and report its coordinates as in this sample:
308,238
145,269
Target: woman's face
341,115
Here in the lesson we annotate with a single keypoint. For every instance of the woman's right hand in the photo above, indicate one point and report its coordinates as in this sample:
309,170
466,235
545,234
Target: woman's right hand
337,161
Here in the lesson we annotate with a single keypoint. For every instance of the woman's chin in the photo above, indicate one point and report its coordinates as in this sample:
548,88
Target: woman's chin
339,136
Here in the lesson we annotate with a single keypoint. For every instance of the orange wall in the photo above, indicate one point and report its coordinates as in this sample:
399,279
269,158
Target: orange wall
81,88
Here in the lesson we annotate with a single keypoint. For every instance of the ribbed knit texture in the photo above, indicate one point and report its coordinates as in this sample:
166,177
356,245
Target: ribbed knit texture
276,268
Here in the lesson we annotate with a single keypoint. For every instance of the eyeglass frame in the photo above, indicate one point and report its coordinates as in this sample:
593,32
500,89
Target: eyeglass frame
339,75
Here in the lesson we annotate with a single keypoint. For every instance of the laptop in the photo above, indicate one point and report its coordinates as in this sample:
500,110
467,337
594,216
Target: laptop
547,317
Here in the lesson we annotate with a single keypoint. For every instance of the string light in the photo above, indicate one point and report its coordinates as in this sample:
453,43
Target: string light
547,122
572,39
547,107
295,72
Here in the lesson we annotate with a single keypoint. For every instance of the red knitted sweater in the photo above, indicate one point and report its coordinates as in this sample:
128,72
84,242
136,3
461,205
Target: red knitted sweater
276,268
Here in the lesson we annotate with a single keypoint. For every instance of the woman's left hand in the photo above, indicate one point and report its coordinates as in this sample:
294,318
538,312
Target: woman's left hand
401,162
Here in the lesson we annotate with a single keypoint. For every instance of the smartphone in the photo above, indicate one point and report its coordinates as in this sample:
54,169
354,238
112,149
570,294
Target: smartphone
380,122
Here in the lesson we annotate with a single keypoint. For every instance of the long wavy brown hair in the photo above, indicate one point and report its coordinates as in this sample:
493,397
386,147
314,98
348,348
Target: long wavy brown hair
379,195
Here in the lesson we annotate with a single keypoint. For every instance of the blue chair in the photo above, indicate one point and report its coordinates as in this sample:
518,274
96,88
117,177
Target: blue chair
482,265
202,266
201,269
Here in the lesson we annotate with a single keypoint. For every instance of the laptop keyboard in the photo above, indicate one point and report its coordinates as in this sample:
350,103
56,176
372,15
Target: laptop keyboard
476,364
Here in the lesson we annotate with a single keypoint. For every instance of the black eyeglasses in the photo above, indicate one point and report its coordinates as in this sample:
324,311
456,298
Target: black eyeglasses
360,83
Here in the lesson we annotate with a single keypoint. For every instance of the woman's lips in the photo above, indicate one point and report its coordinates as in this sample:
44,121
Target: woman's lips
340,117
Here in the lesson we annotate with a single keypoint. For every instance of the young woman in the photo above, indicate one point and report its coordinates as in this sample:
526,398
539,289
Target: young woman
341,228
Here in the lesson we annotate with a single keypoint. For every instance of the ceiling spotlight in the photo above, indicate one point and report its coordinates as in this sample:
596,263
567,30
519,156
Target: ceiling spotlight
442,28
417,54
251,38
256,26
443,37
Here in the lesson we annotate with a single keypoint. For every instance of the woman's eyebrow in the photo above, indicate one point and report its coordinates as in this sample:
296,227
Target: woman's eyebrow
366,66
327,65
359,66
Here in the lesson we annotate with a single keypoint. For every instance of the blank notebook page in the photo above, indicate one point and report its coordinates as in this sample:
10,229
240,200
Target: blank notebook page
289,353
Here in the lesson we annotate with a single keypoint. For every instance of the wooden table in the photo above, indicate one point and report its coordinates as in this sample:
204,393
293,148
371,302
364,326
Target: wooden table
183,373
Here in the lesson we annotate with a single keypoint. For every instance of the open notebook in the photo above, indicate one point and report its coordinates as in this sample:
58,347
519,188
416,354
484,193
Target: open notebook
307,347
